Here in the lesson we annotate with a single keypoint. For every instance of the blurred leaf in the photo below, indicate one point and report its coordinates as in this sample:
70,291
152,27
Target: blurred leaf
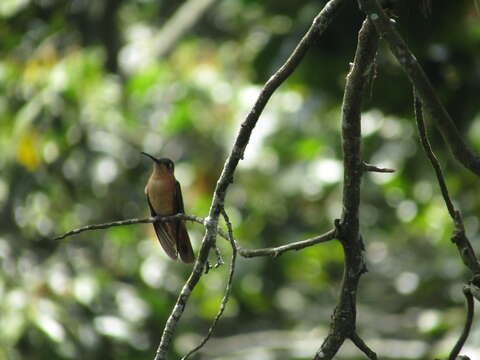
27,151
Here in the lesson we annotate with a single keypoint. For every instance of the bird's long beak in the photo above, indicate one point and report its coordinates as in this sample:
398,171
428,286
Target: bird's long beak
150,156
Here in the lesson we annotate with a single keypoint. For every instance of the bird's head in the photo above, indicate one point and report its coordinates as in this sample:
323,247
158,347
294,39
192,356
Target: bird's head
161,164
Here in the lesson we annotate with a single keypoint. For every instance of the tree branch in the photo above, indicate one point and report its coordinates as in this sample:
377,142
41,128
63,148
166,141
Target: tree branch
464,246
459,237
344,317
244,252
279,250
373,168
468,324
192,218
425,90
320,23
431,156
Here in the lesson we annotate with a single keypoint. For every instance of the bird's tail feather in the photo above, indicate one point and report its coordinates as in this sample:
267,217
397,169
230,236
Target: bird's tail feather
165,239
184,246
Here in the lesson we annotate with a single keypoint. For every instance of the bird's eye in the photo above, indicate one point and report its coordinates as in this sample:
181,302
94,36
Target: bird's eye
170,165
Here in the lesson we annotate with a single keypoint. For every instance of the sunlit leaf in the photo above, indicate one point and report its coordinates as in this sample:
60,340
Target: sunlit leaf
28,151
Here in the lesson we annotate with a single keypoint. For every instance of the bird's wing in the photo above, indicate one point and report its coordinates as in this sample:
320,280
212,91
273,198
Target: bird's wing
178,206
178,198
184,246
165,239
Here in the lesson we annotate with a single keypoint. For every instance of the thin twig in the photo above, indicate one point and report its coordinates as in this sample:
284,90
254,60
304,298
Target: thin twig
357,340
373,168
468,324
320,23
318,27
431,156
276,251
228,289
219,256
192,218
433,106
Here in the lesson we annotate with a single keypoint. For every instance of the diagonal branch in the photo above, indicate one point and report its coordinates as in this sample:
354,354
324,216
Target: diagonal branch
343,321
464,246
431,156
358,341
424,88
320,23
459,237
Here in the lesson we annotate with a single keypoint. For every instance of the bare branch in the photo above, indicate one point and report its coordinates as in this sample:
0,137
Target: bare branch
425,90
244,252
192,218
431,156
468,324
459,238
464,246
343,321
228,288
279,250
320,23
357,340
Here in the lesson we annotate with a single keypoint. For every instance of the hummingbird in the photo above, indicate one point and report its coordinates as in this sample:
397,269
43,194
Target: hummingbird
164,197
